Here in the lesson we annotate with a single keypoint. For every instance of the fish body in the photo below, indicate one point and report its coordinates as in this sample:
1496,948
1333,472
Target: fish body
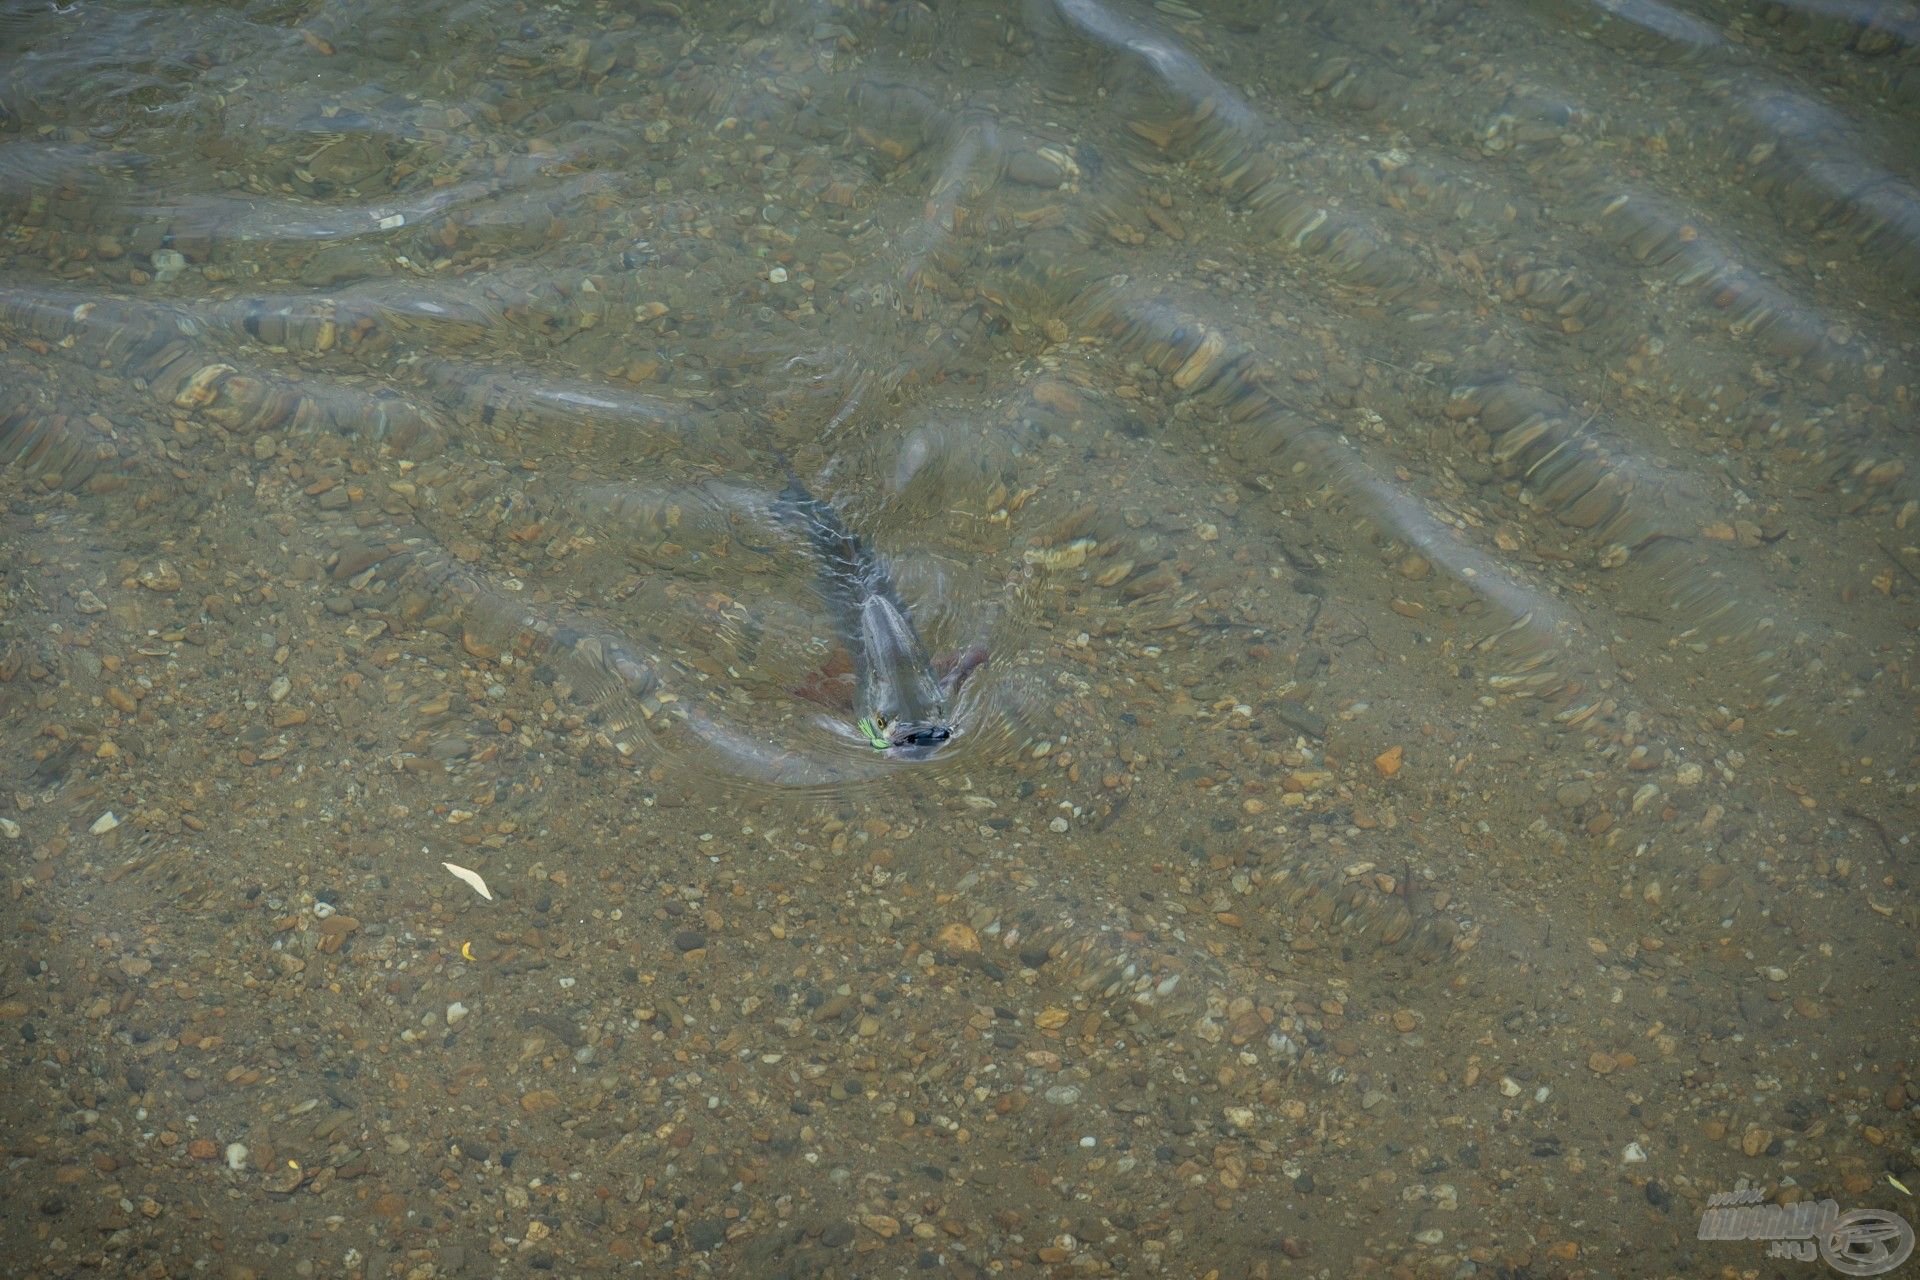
899,697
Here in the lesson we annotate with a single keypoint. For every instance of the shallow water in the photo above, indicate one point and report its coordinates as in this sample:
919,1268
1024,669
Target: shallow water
1432,481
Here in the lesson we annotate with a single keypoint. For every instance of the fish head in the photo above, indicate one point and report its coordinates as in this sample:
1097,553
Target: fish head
895,676
905,705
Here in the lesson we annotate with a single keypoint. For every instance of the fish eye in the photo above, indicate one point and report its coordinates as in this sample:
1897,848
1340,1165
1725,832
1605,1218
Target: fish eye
880,722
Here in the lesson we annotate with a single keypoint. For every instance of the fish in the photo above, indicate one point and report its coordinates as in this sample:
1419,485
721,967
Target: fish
902,697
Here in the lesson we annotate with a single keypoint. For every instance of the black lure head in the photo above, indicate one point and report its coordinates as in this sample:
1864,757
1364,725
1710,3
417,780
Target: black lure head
911,739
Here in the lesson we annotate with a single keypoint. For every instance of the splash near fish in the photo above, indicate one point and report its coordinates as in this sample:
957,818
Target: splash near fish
901,698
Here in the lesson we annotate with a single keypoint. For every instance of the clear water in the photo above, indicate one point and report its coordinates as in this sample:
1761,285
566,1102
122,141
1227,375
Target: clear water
1431,482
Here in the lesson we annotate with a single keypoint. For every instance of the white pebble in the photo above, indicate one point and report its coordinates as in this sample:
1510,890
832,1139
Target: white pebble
778,275
1089,1142
9,828
455,1012
104,823
1058,826
1510,1086
1634,1154
236,1156
279,689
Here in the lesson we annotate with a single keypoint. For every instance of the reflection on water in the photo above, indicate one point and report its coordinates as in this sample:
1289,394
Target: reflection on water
1430,483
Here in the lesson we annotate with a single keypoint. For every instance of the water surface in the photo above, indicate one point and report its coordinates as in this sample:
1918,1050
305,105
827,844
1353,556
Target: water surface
1432,481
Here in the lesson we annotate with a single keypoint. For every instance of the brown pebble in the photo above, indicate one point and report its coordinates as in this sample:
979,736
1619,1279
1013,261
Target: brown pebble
1602,1063
956,940
203,1149
1056,396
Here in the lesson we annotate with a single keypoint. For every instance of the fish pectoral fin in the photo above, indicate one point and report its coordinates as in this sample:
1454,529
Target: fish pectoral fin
952,669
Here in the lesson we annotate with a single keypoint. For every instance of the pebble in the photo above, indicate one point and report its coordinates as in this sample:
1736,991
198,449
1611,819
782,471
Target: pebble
1574,794
104,823
1297,716
9,828
456,1013
237,1154
956,940
161,577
